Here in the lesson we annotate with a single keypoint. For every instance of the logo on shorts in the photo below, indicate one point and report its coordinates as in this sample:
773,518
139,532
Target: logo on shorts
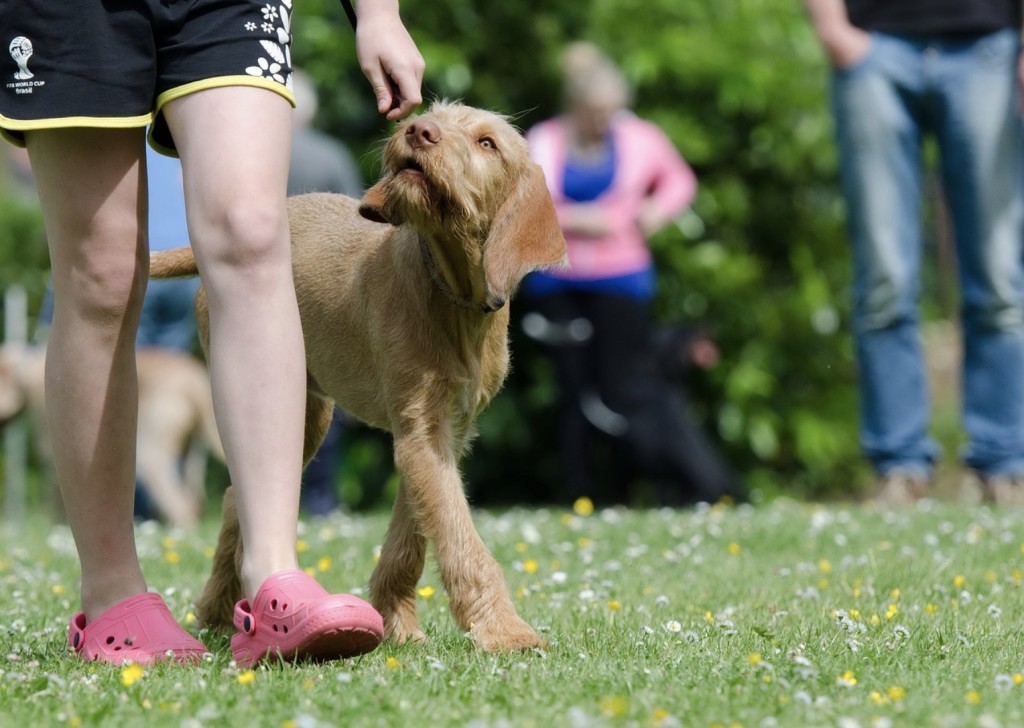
21,51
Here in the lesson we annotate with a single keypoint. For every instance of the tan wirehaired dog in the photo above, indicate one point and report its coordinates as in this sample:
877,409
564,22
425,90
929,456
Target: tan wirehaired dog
404,306
175,425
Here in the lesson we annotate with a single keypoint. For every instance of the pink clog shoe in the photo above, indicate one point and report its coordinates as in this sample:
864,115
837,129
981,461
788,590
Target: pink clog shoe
138,629
292,617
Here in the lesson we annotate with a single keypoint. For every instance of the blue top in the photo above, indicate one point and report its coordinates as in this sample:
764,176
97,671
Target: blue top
585,182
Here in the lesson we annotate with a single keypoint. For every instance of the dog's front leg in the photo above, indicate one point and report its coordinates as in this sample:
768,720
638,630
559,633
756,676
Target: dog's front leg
480,600
216,605
393,583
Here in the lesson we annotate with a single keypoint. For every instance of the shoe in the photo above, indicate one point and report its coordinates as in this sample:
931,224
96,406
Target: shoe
139,629
292,617
1003,490
900,488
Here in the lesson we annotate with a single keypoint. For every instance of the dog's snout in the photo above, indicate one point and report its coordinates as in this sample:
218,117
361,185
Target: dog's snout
422,133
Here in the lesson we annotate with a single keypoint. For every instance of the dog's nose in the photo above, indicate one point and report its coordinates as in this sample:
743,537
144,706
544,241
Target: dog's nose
422,133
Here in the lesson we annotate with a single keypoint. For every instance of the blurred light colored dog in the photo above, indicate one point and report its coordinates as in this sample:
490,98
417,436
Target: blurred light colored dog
176,423
404,306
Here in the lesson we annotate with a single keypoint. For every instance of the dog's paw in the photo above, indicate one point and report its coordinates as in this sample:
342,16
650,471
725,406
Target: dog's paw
506,636
401,635
401,625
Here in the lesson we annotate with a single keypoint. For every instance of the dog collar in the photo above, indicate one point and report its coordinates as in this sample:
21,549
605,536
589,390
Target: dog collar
442,284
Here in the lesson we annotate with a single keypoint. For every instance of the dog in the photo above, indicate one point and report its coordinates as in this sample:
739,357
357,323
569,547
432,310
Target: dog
176,423
404,301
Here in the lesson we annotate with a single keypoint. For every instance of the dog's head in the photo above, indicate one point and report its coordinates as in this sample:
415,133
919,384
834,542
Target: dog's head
462,174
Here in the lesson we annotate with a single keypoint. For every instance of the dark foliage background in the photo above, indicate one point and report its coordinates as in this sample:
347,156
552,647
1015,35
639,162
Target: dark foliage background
740,87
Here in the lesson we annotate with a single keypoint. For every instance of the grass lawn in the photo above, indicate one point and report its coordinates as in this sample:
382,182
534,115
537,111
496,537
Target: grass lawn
782,614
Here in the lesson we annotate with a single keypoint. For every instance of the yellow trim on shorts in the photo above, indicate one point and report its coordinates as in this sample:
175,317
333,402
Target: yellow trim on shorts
68,122
218,82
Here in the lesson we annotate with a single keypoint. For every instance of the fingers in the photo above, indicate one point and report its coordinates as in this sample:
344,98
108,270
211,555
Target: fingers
391,63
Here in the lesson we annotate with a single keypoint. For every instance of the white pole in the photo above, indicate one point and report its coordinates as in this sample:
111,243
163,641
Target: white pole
16,433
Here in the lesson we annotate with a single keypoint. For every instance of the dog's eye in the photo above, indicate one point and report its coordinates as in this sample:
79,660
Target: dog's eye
487,143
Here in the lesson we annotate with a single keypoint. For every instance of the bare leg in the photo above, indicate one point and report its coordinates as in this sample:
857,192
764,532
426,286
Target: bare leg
235,176
93,199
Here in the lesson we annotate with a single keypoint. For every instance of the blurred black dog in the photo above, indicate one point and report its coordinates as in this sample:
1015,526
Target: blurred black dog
652,430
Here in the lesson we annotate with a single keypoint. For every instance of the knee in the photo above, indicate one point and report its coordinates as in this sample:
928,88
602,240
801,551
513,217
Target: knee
885,302
102,289
248,235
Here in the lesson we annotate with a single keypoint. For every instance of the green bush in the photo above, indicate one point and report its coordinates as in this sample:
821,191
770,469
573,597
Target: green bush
740,87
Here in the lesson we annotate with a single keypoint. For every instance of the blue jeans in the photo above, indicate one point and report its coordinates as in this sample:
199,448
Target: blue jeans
962,91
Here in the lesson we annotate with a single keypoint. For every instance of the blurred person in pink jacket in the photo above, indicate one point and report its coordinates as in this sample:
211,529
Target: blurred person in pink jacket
615,179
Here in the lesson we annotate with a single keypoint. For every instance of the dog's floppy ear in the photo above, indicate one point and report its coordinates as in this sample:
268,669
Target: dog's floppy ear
374,205
524,237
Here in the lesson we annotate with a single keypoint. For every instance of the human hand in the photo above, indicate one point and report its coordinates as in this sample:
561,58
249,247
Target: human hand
1020,85
585,220
847,45
390,60
649,220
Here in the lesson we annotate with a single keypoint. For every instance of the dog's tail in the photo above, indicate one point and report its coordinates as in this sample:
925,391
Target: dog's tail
174,263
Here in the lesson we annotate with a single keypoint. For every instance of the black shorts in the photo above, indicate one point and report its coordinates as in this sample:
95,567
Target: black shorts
116,63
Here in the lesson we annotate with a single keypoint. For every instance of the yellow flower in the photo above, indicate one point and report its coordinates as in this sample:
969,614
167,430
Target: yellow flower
847,678
892,611
74,721
614,706
392,664
246,677
1018,678
426,591
522,547
172,557
584,542
973,697
168,543
57,589
130,674
209,551
566,519
734,549
289,724
614,605
875,620
825,566
659,716
530,566
324,563
896,693
958,581
754,659
877,698
583,506
931,608
854,614
190,618
301,546
310,571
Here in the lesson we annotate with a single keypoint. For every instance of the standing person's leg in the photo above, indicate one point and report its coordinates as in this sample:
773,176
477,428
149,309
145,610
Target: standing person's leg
621,340
979,133
572,374
93,200
876,106
235,173
234,147
90,189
